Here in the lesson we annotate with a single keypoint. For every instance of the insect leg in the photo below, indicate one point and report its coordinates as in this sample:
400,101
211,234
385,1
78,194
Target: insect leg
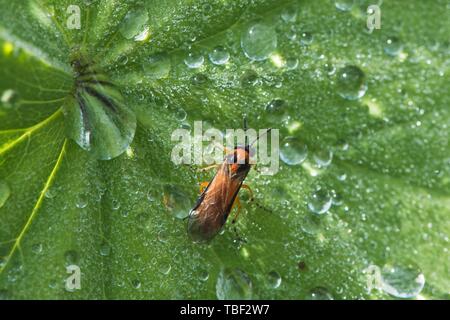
252,198
245,186
239,239
237,203
203,186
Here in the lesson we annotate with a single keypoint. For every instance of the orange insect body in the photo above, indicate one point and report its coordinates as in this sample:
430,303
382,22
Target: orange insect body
214,205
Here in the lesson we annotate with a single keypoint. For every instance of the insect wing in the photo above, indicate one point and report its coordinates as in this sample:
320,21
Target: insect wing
213,206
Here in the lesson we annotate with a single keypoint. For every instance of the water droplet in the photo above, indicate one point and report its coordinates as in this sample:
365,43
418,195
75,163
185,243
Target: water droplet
97,118
50,193
289,14
402,282
9,98
249,78
351,83
123,60
71,257
259,41
143,35
342,176
320,293
105,249
291,34
219,55
194,60
165,269
136,283
310,225
180,114
37,247
336,198
152,195
15,272
115,204
82,201
162,236
273,279
329,68
233,284
157,67
344,5
293,151
323,158
144,220
291,63
292,125
177,202
393,46
134,25
276,110
52,284
204,275
199,79
306,38
5,192
320,201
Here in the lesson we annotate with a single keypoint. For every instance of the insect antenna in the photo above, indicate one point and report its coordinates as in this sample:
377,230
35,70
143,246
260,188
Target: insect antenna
245,130
262,207
257,138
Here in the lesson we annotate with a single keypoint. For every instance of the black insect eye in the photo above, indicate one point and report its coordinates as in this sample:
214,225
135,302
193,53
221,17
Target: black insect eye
242,168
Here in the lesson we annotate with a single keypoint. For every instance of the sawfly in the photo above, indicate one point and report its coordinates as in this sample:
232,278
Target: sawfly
220,195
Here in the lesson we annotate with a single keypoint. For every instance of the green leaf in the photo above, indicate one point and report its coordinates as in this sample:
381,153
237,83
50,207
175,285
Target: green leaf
369,109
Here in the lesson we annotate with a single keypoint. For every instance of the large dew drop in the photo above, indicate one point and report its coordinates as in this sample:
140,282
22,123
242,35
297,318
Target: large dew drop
259,41
97,117
393,46
289,14
293,151
273,279
194,60
37,248
323,158
219,55
344,5
233,284
351,83
320,202
291,63
134,25
275,110
177,202
402,282
320,293
157,66
306,38
9,98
